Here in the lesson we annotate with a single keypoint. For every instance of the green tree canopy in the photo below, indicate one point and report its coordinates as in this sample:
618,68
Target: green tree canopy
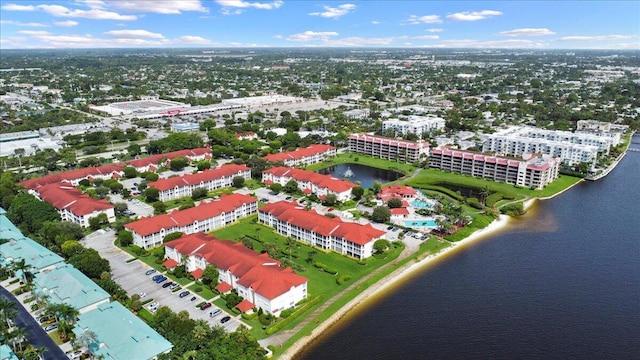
381,214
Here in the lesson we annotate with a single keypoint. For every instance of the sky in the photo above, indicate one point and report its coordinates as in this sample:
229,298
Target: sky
302,23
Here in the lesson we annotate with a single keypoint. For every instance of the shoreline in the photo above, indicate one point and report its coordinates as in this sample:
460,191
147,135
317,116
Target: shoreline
396,277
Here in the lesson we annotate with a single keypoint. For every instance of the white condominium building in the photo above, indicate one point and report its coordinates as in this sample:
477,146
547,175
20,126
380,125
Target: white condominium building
414,124
535,171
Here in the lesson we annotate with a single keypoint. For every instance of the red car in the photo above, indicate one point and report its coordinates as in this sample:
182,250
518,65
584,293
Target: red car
205,306
330,209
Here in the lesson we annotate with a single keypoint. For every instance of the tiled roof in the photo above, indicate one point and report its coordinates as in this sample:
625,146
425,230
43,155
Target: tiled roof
299,153
170,263
320,180
195,179
401,190
155,159
310,220
65,196
225,204
223,287
258,271
73,175
245,305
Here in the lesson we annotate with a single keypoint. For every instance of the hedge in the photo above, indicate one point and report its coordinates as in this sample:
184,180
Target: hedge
280,324
342,279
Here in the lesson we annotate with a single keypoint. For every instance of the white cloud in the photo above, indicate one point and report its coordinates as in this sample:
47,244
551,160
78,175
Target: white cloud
16,7
97,14
425,19
359,41
93,4
34,32
278,36
18,23
190,39
246,4
133,34
595,38
500,44
528,32
434,30
334,12
473,15
160,7
312,36
68,23
375,22
426,37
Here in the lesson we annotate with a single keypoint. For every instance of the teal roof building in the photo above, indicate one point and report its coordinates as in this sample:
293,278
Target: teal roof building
66,284
117,334
7,229
6,353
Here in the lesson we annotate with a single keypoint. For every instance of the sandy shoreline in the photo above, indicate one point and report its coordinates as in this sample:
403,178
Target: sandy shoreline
394,278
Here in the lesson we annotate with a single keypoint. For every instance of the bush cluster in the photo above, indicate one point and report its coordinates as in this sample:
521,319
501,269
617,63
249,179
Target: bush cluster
326,268
343,279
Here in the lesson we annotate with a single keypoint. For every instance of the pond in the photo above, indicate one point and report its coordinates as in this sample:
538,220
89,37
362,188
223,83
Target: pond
366,175
464,191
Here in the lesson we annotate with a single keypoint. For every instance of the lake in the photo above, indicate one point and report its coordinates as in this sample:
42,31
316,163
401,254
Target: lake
366,175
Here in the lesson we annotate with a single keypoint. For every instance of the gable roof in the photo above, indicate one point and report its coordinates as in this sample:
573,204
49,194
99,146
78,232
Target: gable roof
65,196
156,159
299,153
224,171
320,180
72,175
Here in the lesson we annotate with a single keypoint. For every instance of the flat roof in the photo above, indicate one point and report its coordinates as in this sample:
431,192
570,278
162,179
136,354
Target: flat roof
120,334
66,284
34,254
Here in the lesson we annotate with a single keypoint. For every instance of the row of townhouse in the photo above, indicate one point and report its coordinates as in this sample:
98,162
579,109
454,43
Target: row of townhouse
387,148
151,163
414,124
257,278
347,238
211,179
309,182
306,156
73,205
536,171
207,216
568,153
118,334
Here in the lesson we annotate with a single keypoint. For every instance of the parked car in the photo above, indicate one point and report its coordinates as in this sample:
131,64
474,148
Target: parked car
389,227
161,279
150,271
225,319
45,319
50,327
174,286
75,355
215,313
166,285
193,298
156,277
205,306
184,293
143,294
330,209
288,198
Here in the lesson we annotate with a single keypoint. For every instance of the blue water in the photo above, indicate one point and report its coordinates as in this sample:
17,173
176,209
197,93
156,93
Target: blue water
421,223
421,204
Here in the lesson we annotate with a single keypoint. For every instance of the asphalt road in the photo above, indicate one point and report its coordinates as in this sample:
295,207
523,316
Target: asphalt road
34,333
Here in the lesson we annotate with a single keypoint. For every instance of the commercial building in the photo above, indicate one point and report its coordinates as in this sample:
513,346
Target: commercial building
258,278
211,179
535,170
208,216
309,182
414,124
117,334
72,205
305,156
387,148
347,238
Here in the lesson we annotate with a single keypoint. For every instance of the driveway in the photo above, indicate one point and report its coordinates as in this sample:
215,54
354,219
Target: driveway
34,333
131,275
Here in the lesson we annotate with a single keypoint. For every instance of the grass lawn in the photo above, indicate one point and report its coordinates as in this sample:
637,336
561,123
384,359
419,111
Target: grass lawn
349,158
56,337
320,282
205,293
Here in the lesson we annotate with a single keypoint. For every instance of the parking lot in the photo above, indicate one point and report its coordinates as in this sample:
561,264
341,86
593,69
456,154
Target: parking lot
132,277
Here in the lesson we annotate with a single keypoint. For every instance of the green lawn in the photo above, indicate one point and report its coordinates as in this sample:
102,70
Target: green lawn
349,158
205,293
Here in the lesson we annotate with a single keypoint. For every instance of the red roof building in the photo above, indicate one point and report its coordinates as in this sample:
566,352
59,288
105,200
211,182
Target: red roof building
310,182
258,278
150,163
211,179
207,216
351,239
74,176
305,156
73,205
535,171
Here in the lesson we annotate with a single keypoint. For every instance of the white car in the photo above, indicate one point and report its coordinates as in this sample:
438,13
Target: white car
143,294
75,355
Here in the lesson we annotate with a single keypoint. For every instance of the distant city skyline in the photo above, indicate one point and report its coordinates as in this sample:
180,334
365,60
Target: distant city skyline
613,25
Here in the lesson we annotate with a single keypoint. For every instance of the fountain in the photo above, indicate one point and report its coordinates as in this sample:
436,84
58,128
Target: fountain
348,173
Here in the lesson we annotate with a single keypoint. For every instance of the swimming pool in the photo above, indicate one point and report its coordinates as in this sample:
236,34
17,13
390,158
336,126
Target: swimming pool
421,204
420,223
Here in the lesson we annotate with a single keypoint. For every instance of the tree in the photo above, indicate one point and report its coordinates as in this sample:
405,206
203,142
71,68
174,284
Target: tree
238,182
120,207
381,245
178,163
172,236
394,203
152,194
90,263
159,208
311,255
24,269
130,172
199,193
71,247
357,192
276,188
97,221
381,214
29,213
291,186
203,165
210,276
377,187
330,199
125,238
151,177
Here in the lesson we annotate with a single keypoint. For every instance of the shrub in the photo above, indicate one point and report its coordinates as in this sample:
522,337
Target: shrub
493,199
197,289
286,313
343,279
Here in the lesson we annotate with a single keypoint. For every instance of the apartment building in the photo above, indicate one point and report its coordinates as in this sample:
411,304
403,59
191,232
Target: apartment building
151,163
413,124
301,157
387,148
347,238
207,216
536,171
257,278
309,182
73,177
177,187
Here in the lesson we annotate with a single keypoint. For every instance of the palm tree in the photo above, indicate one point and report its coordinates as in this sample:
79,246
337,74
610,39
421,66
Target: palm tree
34,353
7,310
24,268
88,338
290,243
484,193
17,335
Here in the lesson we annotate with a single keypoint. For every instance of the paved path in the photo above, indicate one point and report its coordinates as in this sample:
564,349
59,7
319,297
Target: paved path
34,333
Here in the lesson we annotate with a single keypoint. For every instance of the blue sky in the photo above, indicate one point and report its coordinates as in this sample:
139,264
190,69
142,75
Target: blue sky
286,23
